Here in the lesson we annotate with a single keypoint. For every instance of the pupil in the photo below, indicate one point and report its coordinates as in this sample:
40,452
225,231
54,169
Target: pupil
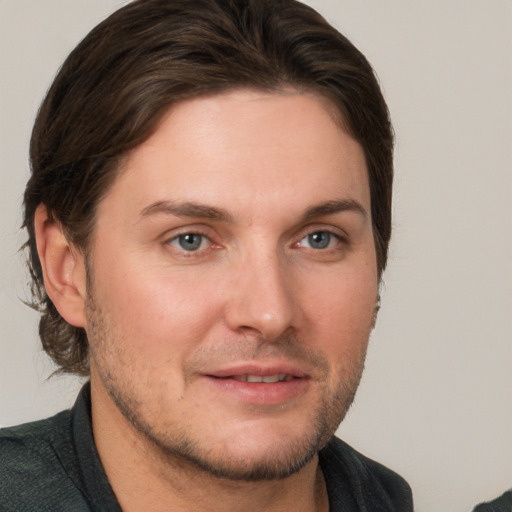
190,242
319,240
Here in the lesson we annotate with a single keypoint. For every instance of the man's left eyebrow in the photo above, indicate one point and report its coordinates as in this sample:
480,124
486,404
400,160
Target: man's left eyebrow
335,206
186,209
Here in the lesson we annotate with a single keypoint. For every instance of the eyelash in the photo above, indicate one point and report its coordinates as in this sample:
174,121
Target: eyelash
176,238
338,238
330,236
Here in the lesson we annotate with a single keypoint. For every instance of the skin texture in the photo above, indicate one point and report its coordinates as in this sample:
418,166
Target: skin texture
236,240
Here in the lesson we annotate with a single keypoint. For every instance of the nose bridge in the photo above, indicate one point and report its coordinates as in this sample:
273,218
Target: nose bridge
263,301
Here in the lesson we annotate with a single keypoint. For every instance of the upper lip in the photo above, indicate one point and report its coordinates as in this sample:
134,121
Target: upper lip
261,370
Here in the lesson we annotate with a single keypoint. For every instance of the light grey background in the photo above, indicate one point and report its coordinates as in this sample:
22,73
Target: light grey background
436,400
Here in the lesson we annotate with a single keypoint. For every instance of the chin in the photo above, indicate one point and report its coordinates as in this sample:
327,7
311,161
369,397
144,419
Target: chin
245,461
257,450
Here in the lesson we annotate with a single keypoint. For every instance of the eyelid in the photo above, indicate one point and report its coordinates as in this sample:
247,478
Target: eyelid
333,241
336,249
192,229
177,237
338,232
173,234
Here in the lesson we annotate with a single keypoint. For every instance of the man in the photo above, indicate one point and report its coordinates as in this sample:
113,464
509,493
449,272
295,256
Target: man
208,215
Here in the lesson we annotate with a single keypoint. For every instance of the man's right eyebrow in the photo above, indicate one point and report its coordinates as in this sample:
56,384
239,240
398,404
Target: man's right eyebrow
186,209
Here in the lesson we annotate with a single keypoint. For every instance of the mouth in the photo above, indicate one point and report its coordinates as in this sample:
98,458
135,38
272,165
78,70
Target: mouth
260,384
260,373
263,379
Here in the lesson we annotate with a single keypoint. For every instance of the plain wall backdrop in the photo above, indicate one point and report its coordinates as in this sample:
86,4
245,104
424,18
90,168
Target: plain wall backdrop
435,403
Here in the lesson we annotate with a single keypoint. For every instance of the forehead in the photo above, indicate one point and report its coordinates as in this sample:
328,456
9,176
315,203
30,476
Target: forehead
246,147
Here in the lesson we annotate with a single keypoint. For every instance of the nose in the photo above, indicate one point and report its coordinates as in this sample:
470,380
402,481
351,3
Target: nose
262,301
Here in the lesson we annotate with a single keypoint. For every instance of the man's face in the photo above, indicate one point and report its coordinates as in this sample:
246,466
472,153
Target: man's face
233,283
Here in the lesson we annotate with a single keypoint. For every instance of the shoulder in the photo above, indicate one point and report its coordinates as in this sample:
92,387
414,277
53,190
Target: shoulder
366,484
27,448
501,504
34,466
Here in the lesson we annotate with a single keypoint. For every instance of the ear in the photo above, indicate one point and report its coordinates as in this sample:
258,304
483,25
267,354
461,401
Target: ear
63,268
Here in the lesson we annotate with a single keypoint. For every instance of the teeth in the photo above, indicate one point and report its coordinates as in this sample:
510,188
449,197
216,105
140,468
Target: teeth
279,377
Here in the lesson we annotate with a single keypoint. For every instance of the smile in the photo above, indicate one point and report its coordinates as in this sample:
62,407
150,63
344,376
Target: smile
256,385
279,377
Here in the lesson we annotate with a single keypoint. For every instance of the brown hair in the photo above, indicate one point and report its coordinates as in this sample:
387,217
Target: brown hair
113,88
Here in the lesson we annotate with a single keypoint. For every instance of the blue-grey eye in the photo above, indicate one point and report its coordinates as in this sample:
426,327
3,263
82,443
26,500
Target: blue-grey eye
189,241
318,240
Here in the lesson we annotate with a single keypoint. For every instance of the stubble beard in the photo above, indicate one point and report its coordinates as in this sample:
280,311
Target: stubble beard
180,450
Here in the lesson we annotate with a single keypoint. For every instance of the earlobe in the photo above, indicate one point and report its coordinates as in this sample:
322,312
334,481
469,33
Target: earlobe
63,268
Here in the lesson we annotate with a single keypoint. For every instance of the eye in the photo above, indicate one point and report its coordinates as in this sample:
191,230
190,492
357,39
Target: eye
319,240
189,242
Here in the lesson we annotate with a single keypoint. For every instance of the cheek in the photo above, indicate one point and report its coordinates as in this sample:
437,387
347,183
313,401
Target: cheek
342,310
345,320
154,309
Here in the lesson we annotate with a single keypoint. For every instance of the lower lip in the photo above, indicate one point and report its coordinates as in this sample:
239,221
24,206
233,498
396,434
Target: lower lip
259,393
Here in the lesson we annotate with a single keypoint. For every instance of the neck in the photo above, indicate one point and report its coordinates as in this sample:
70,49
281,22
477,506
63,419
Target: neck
143,477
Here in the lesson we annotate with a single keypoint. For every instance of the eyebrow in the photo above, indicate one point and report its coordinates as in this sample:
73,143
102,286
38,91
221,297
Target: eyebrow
197,210
335,206
187,209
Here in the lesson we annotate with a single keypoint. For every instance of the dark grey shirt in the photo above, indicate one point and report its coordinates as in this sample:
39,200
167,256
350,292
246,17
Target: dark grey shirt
52,465
501,504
